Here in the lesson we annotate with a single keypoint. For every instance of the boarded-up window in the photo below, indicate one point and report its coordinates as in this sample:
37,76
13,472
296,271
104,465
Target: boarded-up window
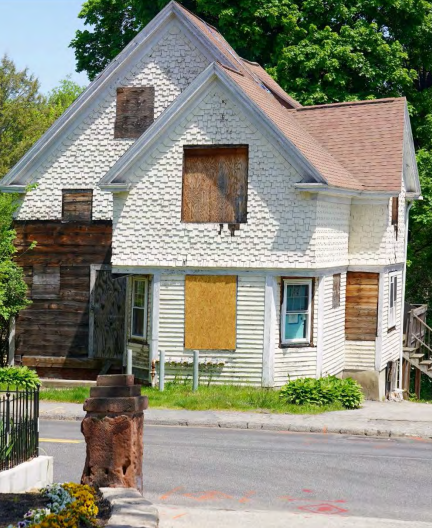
46,282
77,205
336,290
215,184
134,111
395,210
210,312
361,315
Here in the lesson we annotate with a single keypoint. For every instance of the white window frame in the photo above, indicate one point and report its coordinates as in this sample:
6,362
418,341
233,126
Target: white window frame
299,282
133,307
393,276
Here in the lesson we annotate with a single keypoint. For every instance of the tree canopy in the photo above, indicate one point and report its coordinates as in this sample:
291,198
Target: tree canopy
26,113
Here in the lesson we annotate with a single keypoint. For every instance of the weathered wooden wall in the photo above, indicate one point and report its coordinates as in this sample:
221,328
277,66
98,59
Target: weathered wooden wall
57,271
361,315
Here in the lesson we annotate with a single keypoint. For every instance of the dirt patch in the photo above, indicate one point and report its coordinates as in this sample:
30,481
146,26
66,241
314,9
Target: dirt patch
14,506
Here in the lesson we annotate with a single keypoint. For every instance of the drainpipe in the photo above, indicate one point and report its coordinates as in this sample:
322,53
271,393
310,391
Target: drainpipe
403,293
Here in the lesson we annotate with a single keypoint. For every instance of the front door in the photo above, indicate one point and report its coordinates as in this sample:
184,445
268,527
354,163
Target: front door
108,304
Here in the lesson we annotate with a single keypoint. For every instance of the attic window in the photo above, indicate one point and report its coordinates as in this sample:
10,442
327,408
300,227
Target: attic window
77,205
215,184
134,112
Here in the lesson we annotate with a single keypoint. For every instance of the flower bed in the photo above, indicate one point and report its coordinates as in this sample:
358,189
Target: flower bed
69,506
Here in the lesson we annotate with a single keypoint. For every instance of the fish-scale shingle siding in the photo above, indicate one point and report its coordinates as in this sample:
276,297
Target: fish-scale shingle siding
84,154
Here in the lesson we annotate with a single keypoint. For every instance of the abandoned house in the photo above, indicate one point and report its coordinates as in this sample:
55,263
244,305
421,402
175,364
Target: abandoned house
186,202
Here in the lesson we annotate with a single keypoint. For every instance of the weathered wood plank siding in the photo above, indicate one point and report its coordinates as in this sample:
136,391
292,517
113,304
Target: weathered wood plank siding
361,317
294,362
242,365
134,111
77,205
215,185
58,324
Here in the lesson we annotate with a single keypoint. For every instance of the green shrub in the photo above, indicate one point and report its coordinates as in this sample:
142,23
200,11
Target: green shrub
19,377
323,391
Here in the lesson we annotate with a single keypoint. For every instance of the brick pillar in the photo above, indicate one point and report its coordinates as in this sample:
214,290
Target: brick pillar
113,431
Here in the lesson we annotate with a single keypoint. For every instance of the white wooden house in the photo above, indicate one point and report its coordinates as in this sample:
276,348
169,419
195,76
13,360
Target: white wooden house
269,236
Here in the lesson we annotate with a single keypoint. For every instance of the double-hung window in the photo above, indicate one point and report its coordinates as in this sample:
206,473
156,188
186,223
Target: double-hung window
139,308
296,311
392,300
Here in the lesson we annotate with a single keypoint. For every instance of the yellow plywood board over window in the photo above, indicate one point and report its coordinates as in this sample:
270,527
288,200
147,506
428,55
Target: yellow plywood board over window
210,312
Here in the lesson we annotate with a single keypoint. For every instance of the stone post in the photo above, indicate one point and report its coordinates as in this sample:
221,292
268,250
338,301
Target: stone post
113,430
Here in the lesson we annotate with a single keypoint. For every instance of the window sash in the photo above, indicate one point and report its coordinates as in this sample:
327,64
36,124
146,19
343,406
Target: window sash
139,304
392,300
306,313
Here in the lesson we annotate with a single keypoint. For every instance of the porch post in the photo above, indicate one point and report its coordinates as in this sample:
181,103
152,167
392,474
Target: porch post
154,343
269,332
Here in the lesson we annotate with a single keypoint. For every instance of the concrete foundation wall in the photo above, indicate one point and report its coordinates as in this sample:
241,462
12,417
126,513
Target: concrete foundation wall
372,382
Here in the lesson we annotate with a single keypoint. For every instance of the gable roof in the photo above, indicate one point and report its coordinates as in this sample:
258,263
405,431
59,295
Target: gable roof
296,144
209,41
367,137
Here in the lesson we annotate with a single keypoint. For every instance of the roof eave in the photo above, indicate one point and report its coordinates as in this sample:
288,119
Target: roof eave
344,191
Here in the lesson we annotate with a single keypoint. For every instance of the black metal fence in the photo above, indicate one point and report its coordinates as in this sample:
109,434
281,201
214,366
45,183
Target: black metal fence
19,426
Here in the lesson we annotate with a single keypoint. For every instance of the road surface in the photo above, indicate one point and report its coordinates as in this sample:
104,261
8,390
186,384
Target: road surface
315,474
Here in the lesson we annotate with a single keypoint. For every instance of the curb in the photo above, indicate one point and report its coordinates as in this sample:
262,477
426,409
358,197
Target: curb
129,509
294,428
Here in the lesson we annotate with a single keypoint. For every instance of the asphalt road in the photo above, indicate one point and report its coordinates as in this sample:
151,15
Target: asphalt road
262,470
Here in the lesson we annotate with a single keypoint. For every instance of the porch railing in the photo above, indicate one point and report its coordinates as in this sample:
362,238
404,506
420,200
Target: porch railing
417,332
19,426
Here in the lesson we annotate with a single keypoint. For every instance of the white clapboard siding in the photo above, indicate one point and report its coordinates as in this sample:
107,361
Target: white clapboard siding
243,365
294,362
359,355
171,315
334,328
391,340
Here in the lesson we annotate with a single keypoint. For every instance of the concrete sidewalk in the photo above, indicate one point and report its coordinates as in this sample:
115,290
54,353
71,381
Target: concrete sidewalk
178,517
373,419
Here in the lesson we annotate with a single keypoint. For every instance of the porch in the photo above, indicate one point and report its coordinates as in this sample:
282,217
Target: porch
417,347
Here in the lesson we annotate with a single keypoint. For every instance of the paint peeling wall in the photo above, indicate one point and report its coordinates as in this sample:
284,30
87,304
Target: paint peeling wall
334,328
359,355
391,339
373,239
88,149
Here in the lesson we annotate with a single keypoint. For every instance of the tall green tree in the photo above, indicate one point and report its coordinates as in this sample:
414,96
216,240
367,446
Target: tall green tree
12,285
25,113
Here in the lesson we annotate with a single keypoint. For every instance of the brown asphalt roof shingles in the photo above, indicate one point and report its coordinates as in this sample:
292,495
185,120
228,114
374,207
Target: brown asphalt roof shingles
356,145
366,136
329,167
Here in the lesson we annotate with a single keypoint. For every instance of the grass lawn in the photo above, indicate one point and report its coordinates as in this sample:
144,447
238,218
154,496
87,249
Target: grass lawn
214,397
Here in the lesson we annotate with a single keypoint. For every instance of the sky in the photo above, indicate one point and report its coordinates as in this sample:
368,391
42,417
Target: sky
36,34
